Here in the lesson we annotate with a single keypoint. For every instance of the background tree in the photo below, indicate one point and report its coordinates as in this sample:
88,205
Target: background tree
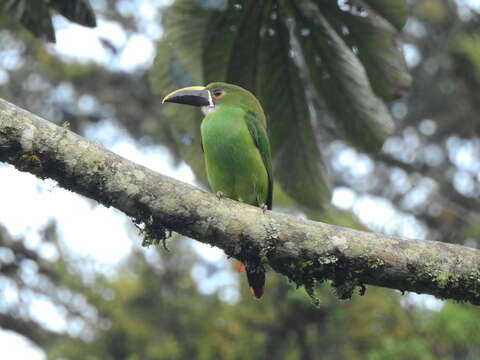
426,173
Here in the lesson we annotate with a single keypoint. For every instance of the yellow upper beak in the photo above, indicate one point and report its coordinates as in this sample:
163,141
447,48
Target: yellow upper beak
193,95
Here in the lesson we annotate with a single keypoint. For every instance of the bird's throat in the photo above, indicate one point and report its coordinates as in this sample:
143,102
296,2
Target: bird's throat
206,110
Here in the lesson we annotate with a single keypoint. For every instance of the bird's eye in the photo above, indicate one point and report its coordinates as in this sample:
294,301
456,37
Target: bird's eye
218,93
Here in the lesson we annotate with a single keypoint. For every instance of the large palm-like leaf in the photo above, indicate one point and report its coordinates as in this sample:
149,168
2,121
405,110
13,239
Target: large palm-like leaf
36,16
348,53
298,163
178,64
377,46
341,80
271,73
395,12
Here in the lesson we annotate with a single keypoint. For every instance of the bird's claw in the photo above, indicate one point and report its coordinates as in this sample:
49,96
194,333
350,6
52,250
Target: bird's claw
219,195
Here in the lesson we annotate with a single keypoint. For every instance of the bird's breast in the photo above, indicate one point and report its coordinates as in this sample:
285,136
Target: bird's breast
233,162
226,138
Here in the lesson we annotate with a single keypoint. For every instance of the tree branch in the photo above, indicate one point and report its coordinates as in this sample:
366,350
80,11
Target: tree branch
30,329
305,251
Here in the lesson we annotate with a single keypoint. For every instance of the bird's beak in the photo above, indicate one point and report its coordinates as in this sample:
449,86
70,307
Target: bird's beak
193,95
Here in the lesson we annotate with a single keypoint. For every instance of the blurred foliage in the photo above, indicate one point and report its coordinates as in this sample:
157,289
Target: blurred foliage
152,308
427,172
34,277
156,312
36,15
469,46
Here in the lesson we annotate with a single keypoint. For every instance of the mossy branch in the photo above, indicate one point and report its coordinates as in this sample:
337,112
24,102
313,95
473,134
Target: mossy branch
305,251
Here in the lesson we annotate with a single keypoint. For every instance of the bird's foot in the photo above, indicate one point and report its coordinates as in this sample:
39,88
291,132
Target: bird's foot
220,195
264,207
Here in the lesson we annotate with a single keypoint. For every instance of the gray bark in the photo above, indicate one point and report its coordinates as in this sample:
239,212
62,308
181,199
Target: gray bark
305,251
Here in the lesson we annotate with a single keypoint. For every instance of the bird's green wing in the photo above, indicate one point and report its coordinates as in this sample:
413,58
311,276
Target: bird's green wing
259,135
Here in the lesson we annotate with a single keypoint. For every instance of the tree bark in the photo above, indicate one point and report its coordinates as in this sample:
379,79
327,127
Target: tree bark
30,329
306,252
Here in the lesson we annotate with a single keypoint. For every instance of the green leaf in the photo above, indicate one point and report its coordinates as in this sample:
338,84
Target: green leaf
232,41
291,55
394,11
179,52
341,80
180,123
36,18
377,45
78,11
17,7
249,45
177,64
297,161
469,46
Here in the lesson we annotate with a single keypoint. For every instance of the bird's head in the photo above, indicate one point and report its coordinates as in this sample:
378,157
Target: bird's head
214,96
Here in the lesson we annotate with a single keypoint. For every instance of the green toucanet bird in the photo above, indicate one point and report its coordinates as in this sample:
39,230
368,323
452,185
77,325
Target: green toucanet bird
236,149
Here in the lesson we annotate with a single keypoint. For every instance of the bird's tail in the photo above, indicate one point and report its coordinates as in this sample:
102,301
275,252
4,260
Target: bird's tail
256,280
